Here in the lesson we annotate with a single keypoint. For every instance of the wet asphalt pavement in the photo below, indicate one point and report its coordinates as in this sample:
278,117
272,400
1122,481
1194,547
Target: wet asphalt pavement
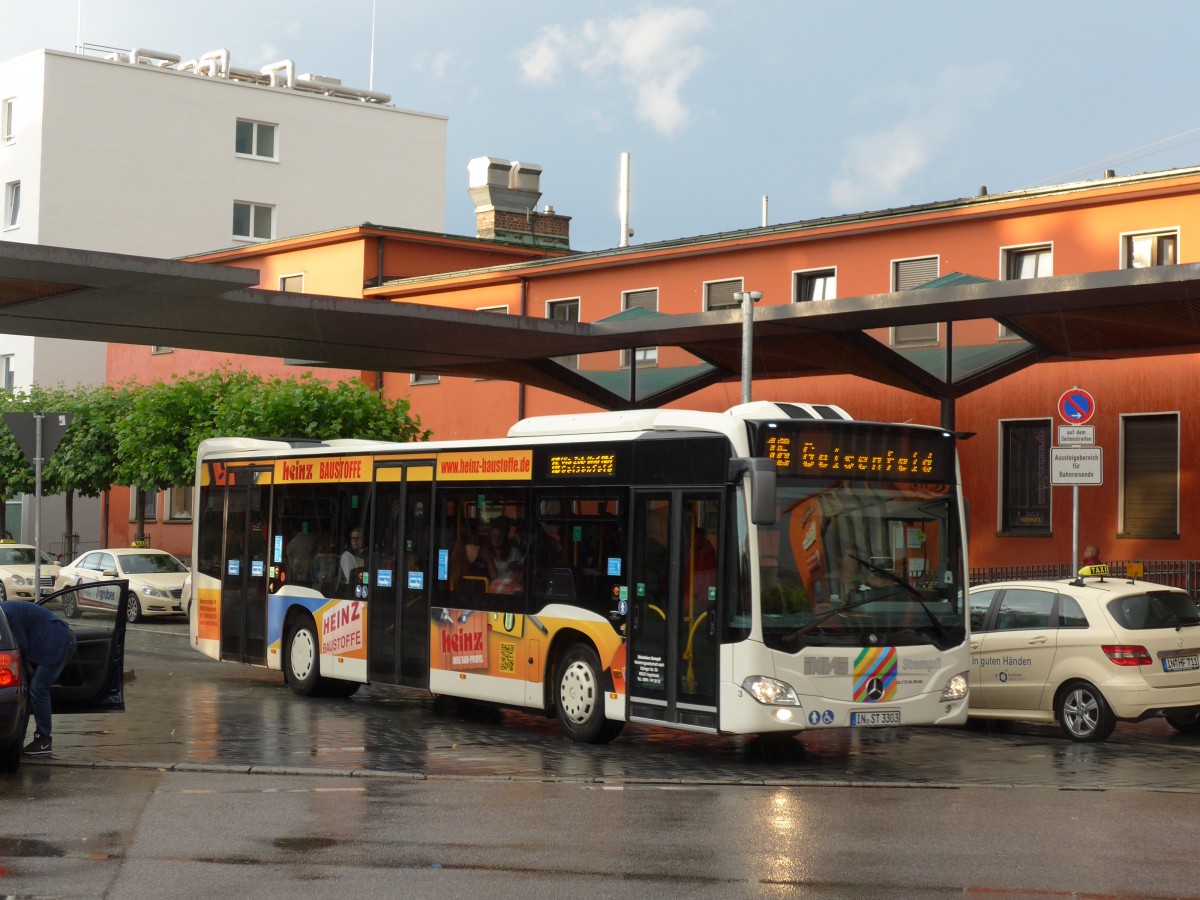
188,713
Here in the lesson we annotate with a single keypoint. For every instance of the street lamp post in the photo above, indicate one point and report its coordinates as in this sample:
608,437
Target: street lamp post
747,299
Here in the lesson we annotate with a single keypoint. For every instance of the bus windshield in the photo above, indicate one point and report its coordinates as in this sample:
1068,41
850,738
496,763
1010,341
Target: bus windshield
852,563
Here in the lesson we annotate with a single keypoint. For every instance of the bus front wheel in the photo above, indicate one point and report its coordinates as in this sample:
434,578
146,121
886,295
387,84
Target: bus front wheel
579,698
303,663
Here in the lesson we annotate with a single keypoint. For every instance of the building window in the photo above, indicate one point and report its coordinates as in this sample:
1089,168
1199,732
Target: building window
719,294
564,311
8,372
7,134
291,284
255,139
819,284
1157,248
906,275
418,378
253,220
1026,262
149,503
179,504
156,349
1150,476
12,204
1025,477
647,300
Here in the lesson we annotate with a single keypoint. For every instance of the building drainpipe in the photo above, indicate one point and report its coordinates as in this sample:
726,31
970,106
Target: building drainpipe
521,384
379,262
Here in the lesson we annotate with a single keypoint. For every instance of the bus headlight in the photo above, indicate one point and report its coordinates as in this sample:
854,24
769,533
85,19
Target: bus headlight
956,687
770,691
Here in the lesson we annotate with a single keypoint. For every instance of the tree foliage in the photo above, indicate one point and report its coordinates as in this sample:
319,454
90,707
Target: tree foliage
158,435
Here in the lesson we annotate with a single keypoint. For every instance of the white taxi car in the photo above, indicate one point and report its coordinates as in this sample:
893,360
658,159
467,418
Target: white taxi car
1086,653
155,578
17,571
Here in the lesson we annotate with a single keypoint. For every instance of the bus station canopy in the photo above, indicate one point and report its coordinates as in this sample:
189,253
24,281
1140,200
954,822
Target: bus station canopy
90,295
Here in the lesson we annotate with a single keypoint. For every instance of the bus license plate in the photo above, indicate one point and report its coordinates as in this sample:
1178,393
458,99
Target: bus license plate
1181,663
874,718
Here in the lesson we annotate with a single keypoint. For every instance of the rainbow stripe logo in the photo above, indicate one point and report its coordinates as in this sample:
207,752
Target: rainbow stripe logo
875,675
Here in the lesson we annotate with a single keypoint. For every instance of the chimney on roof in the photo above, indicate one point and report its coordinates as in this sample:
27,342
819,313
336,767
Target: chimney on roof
505,194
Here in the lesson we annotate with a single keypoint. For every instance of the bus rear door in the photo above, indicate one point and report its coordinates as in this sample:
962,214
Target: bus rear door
398,612
244,568
673,606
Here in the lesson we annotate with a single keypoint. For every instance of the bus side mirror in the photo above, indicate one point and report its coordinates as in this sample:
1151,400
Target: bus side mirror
763,476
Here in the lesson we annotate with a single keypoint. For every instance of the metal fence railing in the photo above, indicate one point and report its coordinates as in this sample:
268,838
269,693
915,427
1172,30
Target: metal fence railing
1184,573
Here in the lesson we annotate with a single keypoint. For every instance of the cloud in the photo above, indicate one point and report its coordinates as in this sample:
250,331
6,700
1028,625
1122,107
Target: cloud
877,166
653,54
435,65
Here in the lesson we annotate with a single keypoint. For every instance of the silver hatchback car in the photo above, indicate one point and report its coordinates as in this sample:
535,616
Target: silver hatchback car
1086,653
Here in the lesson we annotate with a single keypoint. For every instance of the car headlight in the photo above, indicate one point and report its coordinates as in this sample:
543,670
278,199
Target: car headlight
956,687
19,581
770,691
154,592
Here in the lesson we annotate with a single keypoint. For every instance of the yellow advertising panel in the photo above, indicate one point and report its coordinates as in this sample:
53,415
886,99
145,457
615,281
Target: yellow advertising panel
319,469
486,465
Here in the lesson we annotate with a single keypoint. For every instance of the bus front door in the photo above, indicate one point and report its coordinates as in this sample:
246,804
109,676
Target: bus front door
673,605
244,573
398,609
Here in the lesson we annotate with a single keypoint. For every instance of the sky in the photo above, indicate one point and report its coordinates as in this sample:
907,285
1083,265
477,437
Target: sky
824,108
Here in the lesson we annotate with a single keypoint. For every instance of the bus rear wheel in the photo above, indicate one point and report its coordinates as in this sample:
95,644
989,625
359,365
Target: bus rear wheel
301,659
579,699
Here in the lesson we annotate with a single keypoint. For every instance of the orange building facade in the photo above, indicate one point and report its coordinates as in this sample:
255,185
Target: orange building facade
1146,416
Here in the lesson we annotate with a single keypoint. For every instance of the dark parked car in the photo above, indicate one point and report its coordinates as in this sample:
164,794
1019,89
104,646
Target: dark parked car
91,681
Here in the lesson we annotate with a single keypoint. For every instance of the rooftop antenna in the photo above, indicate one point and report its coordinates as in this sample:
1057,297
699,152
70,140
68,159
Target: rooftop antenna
371,77
79,27
626,231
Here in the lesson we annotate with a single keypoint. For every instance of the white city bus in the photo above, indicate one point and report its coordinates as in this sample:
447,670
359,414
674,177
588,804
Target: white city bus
772,568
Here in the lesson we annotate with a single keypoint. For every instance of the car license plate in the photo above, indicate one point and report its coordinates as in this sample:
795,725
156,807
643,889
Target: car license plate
1181,663
874,718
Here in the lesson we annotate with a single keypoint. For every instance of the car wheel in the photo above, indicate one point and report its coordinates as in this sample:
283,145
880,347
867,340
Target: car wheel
10,755
133,612
70,605
3,592
1185,723
1083,713
579,699
302,660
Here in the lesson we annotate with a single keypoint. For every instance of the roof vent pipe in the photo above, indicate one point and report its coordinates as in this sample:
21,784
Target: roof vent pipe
155,57
287,67
1110,173
215,63
764,222
982,190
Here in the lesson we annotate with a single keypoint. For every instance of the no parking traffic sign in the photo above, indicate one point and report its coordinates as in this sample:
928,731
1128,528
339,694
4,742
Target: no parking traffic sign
1076,406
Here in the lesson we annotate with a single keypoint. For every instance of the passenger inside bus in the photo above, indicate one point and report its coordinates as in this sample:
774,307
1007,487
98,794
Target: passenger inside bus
504,560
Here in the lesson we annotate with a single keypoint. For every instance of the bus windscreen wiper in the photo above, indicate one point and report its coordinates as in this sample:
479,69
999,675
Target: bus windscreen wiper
912,591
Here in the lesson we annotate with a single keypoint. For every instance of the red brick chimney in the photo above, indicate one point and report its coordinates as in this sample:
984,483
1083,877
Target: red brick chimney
505,194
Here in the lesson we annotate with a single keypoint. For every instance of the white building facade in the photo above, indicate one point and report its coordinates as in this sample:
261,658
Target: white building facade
143,153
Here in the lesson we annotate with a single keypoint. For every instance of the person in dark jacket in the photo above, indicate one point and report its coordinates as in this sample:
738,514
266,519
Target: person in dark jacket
46,643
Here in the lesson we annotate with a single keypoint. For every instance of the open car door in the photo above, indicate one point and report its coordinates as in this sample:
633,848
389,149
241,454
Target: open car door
94,679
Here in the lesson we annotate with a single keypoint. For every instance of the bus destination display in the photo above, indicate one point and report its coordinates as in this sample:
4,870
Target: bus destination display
862,454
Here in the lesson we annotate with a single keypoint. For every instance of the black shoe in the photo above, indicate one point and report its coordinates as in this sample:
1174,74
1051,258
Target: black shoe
39,746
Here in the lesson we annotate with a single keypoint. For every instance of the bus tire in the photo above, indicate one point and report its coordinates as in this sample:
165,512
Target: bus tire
302,660
579,697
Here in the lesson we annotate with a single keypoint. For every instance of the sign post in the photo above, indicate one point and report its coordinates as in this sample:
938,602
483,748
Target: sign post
1080,462
38,435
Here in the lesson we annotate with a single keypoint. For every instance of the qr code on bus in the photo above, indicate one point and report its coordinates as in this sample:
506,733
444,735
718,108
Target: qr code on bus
508,657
